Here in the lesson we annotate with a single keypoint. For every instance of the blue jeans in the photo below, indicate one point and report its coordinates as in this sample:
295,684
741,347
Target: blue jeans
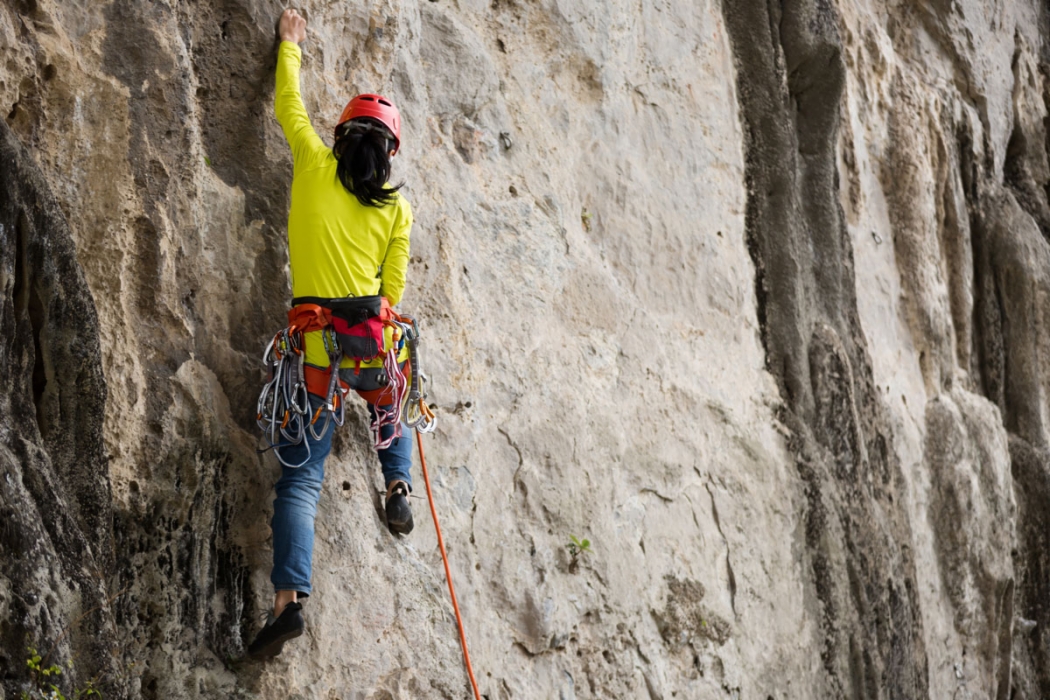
298,491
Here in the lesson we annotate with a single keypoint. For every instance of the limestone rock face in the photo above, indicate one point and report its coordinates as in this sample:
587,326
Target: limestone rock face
754,296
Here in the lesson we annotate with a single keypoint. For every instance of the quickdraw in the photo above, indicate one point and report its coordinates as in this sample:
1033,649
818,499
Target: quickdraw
389,413
283,409
417,414
284,401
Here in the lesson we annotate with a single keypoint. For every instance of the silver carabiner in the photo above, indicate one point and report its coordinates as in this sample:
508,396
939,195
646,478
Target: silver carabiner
327,420
277,453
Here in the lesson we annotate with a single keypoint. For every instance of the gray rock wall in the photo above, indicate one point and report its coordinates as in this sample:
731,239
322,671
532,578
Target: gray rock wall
754,296
56,537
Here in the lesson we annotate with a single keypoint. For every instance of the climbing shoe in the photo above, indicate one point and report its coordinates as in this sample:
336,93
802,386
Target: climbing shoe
271,638
398,512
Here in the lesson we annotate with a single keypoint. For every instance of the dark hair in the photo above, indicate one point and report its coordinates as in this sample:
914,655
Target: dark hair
364,165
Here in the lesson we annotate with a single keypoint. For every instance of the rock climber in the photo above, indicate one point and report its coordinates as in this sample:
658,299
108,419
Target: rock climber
348,236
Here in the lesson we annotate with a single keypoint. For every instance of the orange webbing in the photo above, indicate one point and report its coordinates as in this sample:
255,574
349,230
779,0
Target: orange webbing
317,382
386,311
306,318
309,317
448,572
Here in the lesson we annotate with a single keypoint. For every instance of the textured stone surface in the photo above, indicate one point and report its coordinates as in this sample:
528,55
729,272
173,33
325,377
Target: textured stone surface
752,295
55,537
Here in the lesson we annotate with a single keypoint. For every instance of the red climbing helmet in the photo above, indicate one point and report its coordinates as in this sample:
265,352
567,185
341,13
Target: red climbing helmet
373,107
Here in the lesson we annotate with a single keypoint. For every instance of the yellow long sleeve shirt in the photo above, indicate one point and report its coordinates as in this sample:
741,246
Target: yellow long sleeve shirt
337,246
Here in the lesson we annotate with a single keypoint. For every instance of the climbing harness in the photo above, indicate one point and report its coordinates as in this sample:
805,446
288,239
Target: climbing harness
352,328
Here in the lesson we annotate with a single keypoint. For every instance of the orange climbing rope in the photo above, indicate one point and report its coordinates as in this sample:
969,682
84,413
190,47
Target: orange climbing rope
448,572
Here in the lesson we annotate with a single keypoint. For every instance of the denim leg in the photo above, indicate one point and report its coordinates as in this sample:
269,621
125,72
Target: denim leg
396,460
294,509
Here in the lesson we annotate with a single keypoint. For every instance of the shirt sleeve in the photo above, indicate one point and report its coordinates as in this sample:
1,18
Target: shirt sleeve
395,263
306,145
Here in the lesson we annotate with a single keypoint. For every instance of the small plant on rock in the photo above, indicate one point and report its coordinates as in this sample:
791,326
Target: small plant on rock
585,219
577,548
42,676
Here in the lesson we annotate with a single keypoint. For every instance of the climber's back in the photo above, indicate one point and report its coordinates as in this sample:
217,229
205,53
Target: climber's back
348,229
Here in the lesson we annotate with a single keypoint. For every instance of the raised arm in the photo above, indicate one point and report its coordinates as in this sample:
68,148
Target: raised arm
288,102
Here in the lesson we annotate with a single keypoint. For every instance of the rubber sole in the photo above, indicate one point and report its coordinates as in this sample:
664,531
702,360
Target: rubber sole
402,527
276,646
398,502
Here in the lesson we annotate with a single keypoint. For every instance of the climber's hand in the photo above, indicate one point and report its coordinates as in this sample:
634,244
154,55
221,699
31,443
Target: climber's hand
292,27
